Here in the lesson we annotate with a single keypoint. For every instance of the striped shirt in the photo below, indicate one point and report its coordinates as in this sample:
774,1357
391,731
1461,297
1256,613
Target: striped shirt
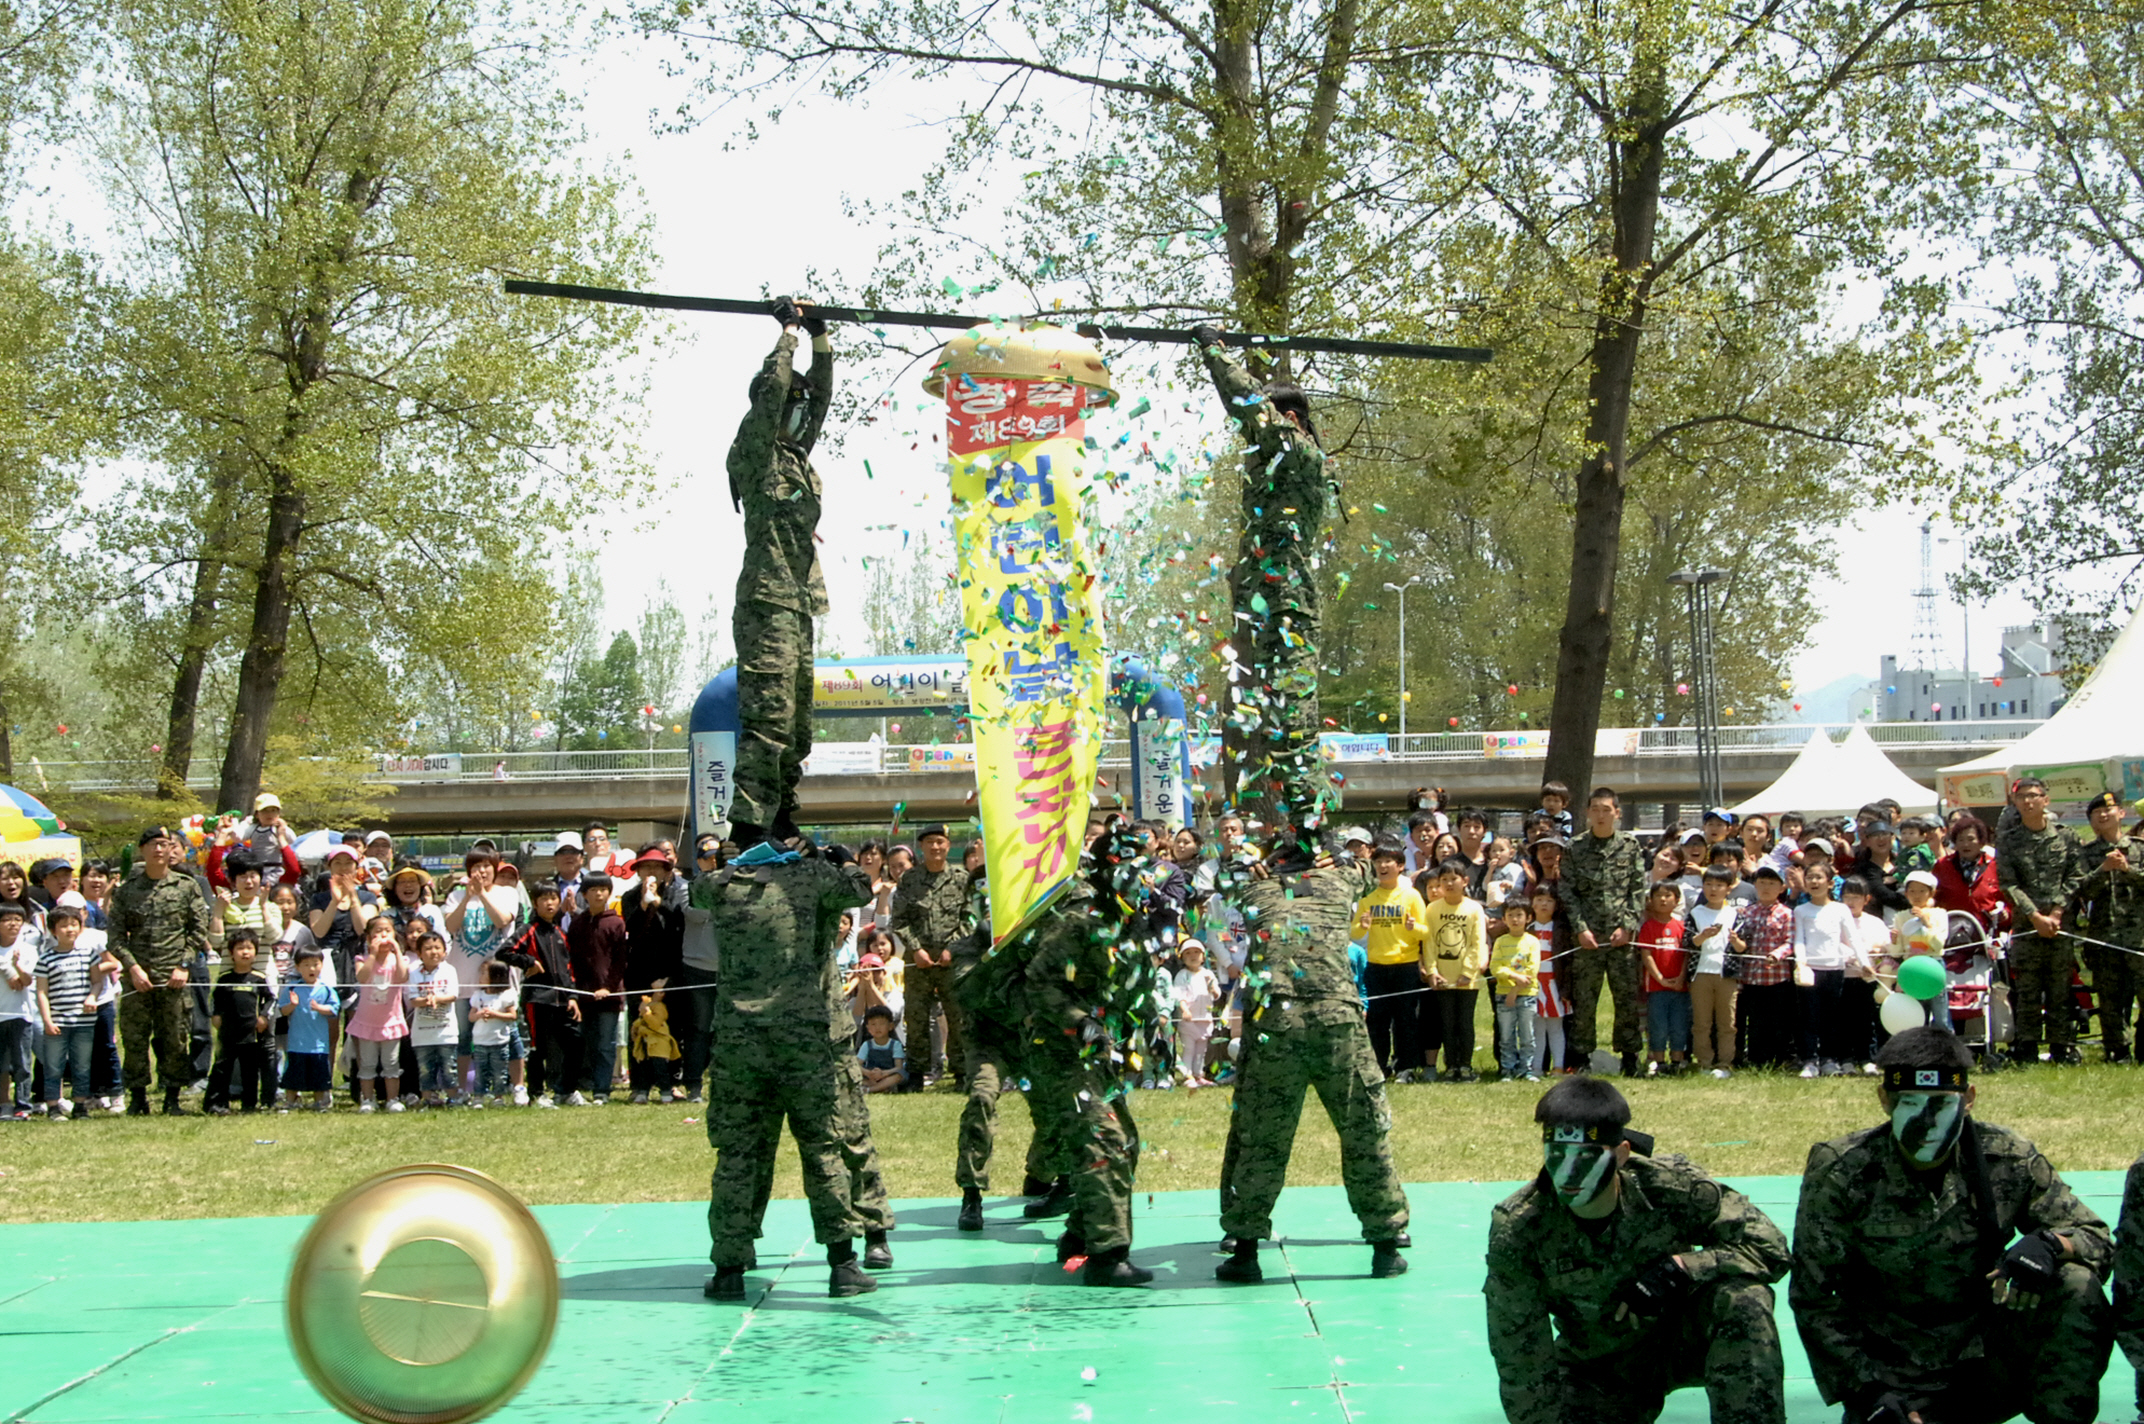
66,977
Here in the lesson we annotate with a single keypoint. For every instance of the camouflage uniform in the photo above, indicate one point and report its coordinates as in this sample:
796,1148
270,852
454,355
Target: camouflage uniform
784,1030
930,912
1272,724
1890,1288
1305,1029
158,925
779,589
1547,1268
2129,1275
2109,905
2038,870
993,1051
1602,890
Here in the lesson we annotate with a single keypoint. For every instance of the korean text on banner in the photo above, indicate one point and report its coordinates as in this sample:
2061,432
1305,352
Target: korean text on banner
1031,614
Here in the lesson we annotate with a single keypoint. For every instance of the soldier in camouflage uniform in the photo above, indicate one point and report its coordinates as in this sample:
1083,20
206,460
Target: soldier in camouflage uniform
993,1053
784,1030
159,928
2108,905
1912,1298
930,908
1617,1277
1304,1029
2038,865
779,588
2129,1276
1273,711
1602,891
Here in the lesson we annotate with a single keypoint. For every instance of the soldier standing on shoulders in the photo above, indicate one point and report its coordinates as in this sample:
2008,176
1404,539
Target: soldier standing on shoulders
930,908
2108,905
2037,864
779,587
1603,894
1616,1277
159,928
1943,1272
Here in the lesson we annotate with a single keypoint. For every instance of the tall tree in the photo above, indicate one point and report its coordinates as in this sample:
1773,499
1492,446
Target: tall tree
333,191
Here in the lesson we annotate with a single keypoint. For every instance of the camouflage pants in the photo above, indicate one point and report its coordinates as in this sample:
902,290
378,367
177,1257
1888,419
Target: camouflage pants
1335,1059
159,1021
2040,971
1723,1338
1099,1142
774,700
2114,985
2129,1275
1581,975
763,1078
2045,1364
991,1070
927,987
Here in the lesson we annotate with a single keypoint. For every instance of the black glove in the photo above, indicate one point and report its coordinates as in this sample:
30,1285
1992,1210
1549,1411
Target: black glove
1206,334
1655,1288
2033,1263
1889,1407
814,324
785,311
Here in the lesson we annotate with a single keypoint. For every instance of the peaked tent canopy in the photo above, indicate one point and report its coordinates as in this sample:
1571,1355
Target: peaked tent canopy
1828,780
1866,774
1806,777
2094,743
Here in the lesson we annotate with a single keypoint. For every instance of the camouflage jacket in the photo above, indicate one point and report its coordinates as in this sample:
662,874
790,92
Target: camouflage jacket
160,925
1889,1280
1284,487
1299,926
930,908
2129,1265
2109,904
2038,870
1603,884
771,476
1546,1266
776,925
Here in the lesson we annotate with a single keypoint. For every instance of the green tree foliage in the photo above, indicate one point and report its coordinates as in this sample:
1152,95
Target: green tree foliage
600,707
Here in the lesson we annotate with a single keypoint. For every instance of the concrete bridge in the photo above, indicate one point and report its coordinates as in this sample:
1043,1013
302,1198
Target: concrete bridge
644,793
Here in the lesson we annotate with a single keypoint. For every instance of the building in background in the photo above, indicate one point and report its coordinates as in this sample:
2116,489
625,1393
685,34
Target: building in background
2027,683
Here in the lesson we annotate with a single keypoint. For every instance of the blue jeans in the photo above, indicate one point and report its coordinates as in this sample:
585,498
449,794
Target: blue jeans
1667,1020
1515,1034
435,1068
67,1055
491,1070
602,1030
1938,1009
18,1050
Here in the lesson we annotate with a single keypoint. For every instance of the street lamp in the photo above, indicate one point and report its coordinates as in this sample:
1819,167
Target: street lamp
1401,590
1697,584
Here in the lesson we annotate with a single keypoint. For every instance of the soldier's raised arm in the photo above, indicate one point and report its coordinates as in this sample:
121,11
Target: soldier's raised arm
822,378
753,449
1263,427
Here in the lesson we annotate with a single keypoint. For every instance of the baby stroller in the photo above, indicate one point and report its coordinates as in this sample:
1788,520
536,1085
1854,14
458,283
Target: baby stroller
1979,1006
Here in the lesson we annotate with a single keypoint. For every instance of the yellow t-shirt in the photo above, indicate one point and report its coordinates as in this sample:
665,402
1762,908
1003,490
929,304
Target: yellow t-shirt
1456,941
1515,964
1390,922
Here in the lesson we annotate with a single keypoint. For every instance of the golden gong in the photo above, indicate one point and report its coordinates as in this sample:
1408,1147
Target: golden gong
424,1295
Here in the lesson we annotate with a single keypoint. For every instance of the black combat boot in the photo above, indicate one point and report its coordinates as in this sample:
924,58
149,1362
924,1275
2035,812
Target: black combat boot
1386,1261
847,1277
784,828
1630,1065
878,1256
1035,1187
1056,1203
1113,1268
171,1103
2024,1055
1241,1267
746,835
137,1102
971,1210
1069,1246
726,1284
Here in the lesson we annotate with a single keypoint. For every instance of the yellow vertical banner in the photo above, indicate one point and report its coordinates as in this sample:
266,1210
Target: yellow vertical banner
1030,596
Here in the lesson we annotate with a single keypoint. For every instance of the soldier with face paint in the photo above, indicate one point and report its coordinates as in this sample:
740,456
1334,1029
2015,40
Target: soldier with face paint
1943,1272
1616,1277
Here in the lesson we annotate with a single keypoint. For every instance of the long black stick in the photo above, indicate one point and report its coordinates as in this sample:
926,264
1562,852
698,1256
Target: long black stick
1338,345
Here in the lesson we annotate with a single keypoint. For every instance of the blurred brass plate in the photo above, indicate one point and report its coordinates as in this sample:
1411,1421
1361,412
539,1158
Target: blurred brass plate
424,1295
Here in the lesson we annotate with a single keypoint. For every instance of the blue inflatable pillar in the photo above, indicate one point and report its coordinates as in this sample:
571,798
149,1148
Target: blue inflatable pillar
1161,748
713,740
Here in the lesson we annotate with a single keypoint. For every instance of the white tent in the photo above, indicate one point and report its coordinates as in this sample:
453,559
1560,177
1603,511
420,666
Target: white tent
1866,774
314,847
1806,778
1828,780
2094,744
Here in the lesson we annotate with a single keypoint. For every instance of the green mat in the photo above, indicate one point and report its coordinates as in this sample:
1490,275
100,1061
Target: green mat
184,1320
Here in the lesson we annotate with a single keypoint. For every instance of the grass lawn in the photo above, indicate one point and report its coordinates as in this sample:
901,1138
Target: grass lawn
1756,1123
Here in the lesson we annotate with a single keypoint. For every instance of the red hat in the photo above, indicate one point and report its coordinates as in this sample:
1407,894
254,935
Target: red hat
654,853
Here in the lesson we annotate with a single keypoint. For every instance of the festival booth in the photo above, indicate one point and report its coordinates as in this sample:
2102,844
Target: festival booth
1837,780
29,832
1806,780
2094,743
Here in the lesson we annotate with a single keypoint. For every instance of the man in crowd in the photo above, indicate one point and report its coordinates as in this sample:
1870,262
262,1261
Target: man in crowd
1616,1277
2037,862
1603,895
2108,906
929,912
1943,1272
159,930
779,587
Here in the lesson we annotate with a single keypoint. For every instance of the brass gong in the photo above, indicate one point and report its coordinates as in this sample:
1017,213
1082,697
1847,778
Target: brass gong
424,1295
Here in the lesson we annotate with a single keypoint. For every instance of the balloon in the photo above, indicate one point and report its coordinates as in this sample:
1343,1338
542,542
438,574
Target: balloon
1682,689
1619,694
602,736
1730,711
156,748
1935,707
1797,707
1407,697
63,729
1380,716
1511,690
1900,1013
675,727
1660,716
1785,686
1451,721
1921,976
1892,688
1998,682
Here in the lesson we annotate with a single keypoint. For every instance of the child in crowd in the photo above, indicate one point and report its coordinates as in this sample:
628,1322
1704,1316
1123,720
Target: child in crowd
491,1018
1871,950
1823,945
554,1013
71,970
1922,928
1667,986
1714,977
1197,990
1556,805
596,943
1728,855
240,1021
377,1026
654,1047
1507,875
1763,942
434,988
1550,1008
19,1027
1515,968
310,1008
1390,921
1788,849
1457,951
882,1055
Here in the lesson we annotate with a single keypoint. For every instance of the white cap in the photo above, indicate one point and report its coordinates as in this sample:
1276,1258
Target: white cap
72,900
1923,877
378,836
1689,836
1818,843
569,840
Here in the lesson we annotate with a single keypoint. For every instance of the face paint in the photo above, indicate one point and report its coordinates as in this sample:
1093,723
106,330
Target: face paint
799,415
1579,1171
1926,1125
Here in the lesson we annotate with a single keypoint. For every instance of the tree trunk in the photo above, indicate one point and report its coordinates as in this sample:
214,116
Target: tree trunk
7,744
194,643
1597,524
260,671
